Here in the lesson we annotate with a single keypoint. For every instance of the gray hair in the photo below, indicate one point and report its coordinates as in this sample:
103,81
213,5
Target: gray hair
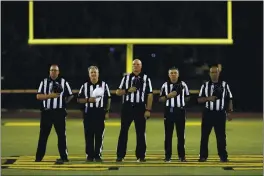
93,67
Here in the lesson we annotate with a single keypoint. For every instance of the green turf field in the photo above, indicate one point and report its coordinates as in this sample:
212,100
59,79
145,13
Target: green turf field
244,144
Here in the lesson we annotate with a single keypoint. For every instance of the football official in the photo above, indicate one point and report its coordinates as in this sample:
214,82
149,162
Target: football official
54,92
137,91
174,94
96,96
215,94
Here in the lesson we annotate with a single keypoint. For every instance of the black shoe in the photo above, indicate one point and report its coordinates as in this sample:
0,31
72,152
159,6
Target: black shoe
89,159
224,160
64,160
98,160
61,161
141,160
119,159
202,159
167,160
38,160
182,159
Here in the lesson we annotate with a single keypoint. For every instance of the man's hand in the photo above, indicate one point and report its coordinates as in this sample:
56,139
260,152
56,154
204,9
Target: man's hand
228,116
107,116
91,100
132,89
172,94
211,98
69,98
120,92
162,99
147,114
186,99
54,95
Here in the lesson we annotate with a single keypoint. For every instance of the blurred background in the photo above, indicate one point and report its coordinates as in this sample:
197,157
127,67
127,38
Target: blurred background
24,66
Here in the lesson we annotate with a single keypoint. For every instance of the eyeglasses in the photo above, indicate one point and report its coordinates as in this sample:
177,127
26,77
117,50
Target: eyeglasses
54,70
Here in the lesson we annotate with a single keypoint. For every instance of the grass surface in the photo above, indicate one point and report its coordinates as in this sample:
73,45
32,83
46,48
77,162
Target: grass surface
244,144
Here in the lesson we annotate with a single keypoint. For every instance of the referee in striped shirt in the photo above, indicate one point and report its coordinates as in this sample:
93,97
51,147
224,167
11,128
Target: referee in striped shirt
54,92
95,111
174,93
137,91
215,94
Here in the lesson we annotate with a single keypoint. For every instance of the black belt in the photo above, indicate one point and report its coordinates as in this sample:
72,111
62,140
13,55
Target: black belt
209,110
53,110
134,104
174,109
93,109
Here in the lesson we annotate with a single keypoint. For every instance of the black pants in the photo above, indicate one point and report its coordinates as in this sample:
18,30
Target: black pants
94,128
132,113
177,118
58,119
217,120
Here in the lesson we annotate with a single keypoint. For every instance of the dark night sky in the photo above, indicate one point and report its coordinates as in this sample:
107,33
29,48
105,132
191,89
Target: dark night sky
242,62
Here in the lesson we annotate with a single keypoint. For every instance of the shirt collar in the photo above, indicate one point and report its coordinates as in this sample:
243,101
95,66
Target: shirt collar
178,81
218,82
90,82
56,80
140,74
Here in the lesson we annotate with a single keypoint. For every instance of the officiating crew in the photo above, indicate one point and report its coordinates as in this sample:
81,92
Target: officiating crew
96,97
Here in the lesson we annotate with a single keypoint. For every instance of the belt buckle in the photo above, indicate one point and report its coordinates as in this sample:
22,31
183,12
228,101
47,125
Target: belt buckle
171,109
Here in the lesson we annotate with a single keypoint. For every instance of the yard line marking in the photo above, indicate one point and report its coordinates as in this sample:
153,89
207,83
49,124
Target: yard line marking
132,156
26,124
78,163
248,168
22,124
141,165
58,168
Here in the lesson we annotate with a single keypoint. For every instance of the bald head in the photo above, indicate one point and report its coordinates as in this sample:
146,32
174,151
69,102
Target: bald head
54,71
137,66
137,61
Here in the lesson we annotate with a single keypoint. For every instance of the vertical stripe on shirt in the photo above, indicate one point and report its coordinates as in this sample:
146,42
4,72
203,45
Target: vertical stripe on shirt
179,100
207,90
139,95
46,87
86,91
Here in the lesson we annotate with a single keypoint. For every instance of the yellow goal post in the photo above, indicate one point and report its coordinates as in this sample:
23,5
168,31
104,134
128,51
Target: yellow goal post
129,42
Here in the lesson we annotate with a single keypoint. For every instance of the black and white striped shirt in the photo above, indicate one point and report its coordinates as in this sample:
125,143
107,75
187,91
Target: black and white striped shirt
46,86
86,91
208,89
177,101
140,95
